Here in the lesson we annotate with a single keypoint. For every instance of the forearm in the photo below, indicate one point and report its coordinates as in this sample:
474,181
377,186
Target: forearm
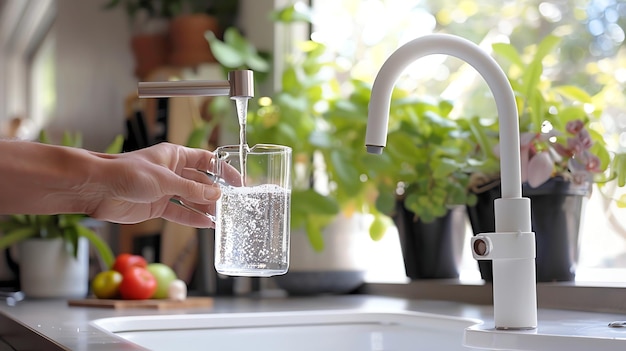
43,179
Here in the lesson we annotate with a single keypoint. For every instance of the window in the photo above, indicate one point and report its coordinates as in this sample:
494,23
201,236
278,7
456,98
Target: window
363,33
26,64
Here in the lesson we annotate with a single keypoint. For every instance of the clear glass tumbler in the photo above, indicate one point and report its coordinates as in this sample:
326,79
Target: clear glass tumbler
253,215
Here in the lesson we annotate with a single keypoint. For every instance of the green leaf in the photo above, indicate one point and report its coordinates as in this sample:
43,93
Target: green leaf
103,249
620,169
116,146
379,226
574,93
198,136
536,104
225,54
508,52
311,202
75,140
290,81
402,146
386,201
346,175
297,103
443,167
445,107
545,47
314,233
70,238
257,63
297,12
43,137
17,235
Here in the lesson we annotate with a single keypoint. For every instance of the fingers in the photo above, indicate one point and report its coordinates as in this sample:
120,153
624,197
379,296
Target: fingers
230,174
197,176
181,215
201,159
191,185
197,158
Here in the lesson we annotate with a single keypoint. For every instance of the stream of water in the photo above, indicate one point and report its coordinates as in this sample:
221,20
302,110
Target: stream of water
241,104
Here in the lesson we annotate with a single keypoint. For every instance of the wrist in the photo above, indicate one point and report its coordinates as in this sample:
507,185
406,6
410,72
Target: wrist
44,179
75,173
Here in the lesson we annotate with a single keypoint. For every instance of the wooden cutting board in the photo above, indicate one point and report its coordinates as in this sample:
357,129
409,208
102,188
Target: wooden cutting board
157,304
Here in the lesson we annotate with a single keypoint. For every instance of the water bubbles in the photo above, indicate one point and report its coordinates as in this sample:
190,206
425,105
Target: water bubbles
252,230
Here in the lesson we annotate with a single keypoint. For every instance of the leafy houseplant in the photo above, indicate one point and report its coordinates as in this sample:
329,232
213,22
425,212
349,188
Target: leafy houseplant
562,155
324,119
556,134
69,227
170,32
425,185
331,191
428,160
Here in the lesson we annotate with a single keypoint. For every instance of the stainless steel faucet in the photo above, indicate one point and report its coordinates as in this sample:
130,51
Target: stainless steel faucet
239,84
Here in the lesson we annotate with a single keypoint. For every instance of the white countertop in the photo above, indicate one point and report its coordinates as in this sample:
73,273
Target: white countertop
69,327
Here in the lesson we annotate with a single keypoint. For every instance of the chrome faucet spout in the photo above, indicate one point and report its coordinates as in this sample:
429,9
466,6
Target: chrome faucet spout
239,84
512,246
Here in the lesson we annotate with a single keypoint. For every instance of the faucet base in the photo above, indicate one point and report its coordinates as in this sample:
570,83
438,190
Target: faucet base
516,328
514,281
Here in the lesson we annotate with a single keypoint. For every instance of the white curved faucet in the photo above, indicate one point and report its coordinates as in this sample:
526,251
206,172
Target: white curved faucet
512,246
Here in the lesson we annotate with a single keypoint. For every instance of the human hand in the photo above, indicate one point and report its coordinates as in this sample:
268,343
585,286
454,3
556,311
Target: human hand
138,186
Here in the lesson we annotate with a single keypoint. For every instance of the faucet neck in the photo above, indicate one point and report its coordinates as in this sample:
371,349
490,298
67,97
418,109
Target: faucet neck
497,81
239,84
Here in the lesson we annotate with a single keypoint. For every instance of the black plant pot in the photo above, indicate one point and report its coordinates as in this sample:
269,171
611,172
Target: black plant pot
430,250
556,210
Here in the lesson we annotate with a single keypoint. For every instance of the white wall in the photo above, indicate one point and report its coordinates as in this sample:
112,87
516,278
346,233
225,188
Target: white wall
94,71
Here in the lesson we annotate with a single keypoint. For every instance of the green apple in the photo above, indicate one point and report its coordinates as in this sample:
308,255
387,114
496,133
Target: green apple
164,276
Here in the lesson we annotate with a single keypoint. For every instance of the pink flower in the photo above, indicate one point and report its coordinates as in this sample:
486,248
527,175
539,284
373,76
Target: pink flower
584,138
575,126
539,169
562,150
580,142
593,163
544,154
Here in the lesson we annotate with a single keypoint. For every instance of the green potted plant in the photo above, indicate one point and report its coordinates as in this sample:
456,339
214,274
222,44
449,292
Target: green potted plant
148,21
424,185
329,191
187,46
562,156
53,249
334,176
171,32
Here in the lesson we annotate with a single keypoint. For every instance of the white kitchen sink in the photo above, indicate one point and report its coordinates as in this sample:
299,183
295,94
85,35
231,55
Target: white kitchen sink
348,330
277,331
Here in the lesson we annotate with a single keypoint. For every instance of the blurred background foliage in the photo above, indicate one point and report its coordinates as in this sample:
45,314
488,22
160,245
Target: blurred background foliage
591,54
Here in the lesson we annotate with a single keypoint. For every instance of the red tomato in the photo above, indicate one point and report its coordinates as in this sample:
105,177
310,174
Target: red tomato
126,260
137,284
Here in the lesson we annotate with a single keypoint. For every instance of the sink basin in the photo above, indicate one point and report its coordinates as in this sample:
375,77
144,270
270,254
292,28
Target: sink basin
276,331
359,330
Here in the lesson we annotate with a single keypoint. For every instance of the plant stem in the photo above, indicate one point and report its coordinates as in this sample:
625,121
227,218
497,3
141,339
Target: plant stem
103,249
16,235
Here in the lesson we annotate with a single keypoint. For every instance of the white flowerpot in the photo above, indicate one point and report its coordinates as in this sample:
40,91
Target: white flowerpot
48,270
339,268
